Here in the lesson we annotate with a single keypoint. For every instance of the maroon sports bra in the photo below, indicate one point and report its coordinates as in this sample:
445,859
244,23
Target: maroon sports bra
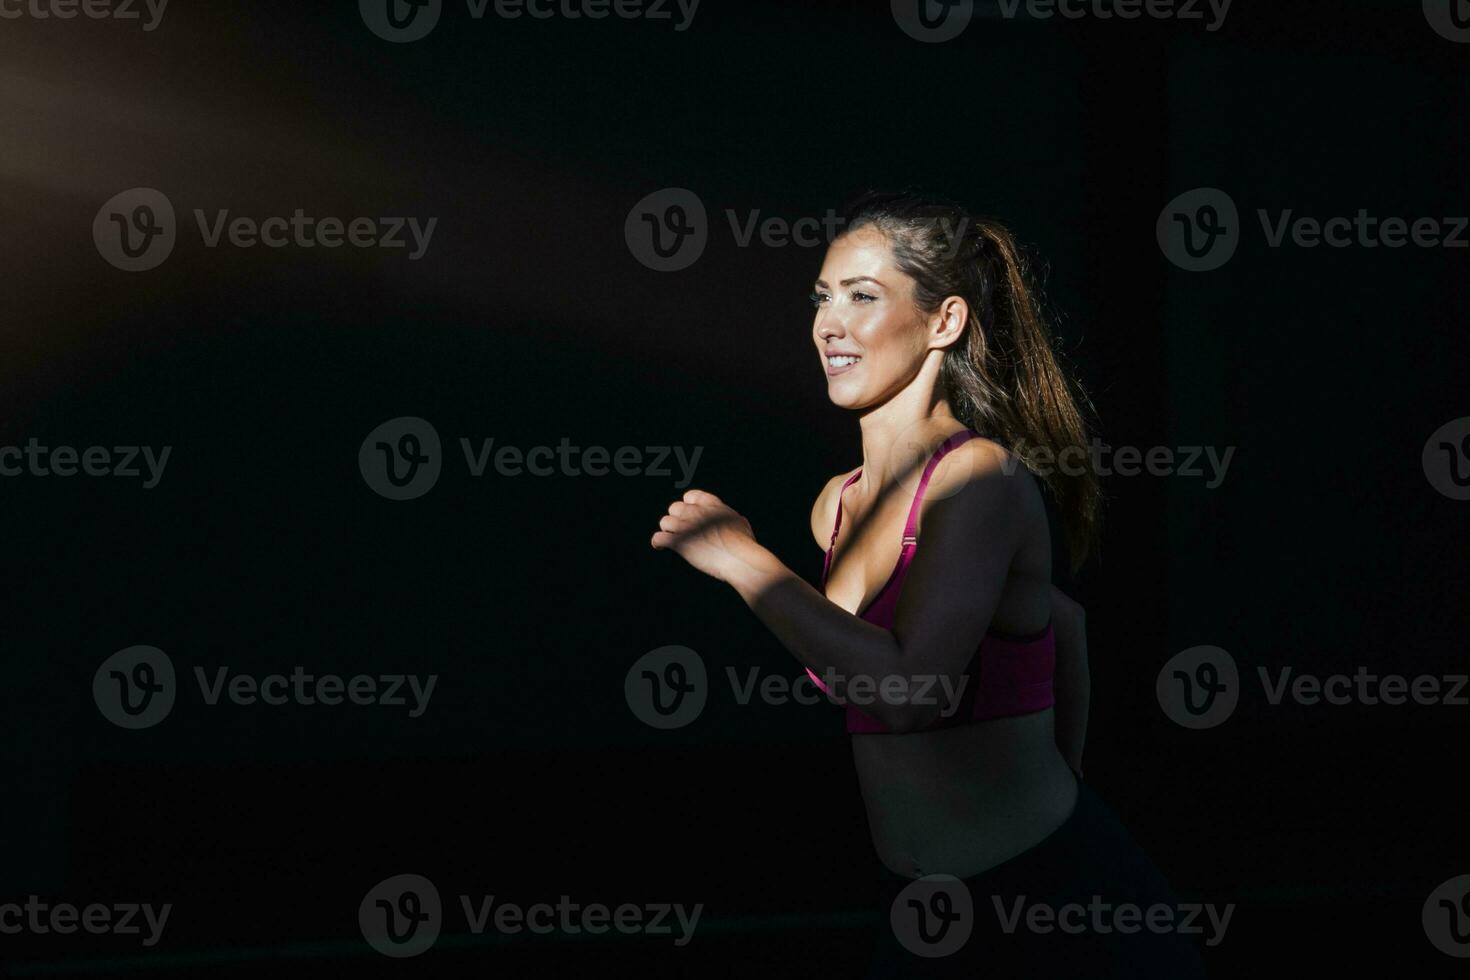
1008,675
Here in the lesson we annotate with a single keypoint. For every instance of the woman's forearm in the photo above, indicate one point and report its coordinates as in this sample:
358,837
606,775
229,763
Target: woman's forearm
849,654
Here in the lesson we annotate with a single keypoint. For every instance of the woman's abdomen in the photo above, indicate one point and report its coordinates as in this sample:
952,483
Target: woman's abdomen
960,800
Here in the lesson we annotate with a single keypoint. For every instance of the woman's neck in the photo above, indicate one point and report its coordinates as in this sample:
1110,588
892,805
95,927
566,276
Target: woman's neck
900,435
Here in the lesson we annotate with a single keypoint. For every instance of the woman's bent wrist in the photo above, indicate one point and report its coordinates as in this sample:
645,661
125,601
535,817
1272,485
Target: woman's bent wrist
753,570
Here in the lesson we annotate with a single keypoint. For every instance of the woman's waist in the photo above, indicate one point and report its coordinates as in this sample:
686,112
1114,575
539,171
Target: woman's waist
961,800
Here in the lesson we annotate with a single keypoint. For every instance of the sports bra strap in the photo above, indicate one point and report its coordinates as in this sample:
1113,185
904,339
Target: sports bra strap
838,524
910,529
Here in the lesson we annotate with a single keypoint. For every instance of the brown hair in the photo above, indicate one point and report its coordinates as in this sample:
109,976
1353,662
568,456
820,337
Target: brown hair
1004,377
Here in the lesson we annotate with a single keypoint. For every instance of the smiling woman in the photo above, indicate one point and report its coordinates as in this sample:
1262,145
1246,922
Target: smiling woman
962,669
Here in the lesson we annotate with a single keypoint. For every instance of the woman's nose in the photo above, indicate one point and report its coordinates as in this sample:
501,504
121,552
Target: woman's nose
830,325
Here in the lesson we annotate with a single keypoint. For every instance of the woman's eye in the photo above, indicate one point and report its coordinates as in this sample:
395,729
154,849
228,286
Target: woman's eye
862,297
817,298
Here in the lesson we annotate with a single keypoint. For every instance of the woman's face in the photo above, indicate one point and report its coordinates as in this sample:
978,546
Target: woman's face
868,334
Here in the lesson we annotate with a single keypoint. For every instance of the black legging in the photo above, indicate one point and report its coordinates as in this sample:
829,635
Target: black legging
1091,854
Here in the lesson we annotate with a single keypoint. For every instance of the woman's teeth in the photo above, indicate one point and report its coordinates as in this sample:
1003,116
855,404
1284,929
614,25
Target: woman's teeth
843,361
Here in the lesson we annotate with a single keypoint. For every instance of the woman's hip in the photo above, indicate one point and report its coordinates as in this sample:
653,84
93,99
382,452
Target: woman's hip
1085,901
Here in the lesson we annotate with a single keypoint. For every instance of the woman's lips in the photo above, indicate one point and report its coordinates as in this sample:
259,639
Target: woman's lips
833,370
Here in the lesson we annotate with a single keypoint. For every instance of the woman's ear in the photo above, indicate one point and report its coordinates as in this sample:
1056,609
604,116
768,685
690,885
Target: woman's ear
949,321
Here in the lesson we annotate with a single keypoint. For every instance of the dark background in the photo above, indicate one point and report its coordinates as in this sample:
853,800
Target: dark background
529,320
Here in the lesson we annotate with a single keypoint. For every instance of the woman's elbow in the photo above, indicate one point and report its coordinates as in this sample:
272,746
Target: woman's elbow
1068,612
908,707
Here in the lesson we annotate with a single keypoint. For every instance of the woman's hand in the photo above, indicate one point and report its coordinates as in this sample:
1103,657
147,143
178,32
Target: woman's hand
706,533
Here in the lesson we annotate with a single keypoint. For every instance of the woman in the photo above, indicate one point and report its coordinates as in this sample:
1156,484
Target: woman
963,670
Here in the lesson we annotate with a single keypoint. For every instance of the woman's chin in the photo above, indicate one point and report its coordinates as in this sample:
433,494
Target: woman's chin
844,397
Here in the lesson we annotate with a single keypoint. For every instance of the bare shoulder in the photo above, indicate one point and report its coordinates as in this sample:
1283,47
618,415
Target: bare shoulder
824,511
980,487
995,472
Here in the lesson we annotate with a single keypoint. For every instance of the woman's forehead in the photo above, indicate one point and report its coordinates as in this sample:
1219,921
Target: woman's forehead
862,252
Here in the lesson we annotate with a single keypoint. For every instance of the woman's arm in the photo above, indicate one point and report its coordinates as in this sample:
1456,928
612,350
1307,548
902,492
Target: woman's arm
1072,682
951,591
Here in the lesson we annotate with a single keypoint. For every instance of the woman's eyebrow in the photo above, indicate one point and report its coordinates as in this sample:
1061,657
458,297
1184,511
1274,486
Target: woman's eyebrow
849,282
